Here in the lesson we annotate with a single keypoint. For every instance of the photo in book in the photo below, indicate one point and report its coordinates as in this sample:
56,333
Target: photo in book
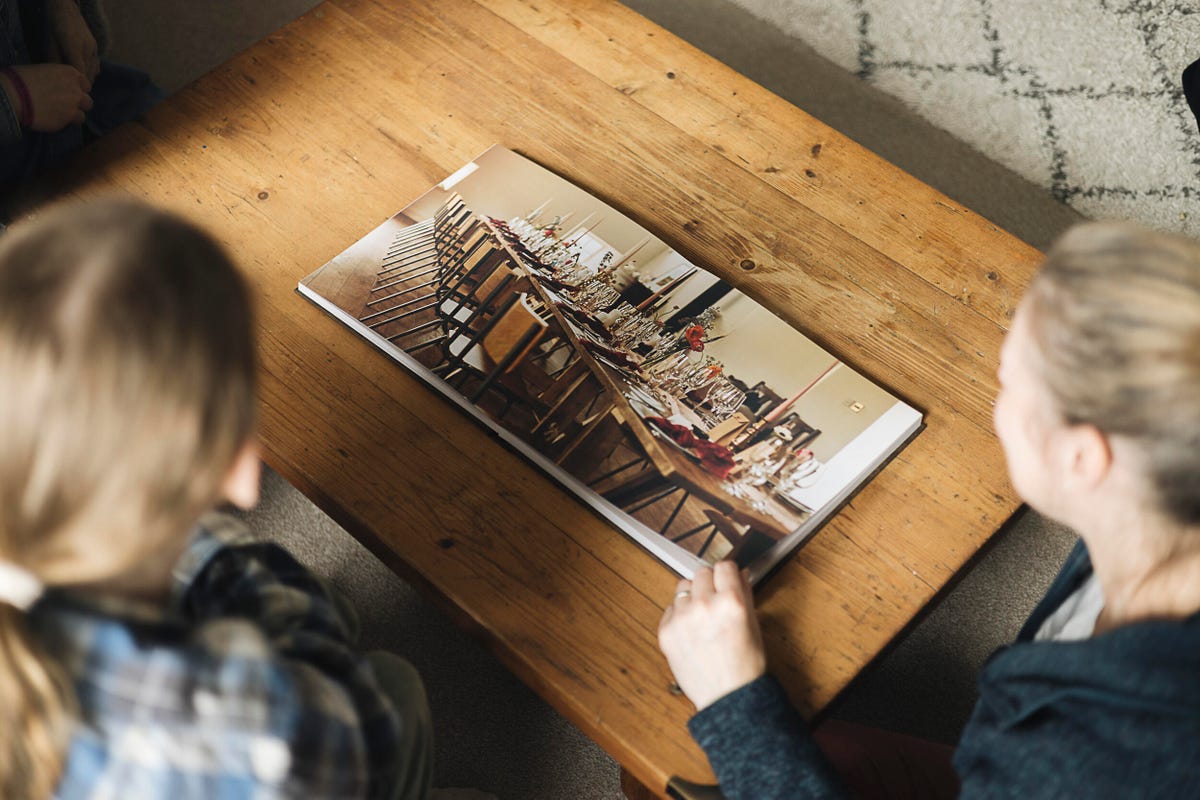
699,423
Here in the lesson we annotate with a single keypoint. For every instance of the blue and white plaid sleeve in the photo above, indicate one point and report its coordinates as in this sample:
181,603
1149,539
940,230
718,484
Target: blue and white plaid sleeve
251,690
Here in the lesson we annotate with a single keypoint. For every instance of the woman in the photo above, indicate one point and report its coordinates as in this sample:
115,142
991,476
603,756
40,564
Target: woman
1099,417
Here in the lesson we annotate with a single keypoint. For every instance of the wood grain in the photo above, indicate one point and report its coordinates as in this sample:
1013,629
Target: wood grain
305,142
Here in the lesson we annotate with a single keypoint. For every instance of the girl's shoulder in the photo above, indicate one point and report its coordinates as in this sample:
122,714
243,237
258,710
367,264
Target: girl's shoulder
166,701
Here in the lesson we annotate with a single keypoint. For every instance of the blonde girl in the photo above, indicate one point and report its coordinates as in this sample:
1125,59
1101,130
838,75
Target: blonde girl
148,650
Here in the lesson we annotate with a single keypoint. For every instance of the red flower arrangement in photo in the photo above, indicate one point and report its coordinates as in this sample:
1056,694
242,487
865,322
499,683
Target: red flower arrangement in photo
692,338
716,458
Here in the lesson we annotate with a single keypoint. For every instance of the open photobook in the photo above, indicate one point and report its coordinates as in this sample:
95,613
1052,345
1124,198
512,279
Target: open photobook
695,420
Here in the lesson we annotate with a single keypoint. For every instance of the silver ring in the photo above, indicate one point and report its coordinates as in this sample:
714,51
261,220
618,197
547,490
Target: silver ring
682,594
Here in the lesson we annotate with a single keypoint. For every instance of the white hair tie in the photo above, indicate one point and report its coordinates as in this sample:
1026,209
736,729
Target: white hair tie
18,586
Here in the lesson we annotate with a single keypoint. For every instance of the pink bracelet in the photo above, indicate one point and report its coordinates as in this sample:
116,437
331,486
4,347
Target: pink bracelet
26,113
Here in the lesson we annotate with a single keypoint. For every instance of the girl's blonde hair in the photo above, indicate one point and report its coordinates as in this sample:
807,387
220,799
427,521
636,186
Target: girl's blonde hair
1116,314
128,371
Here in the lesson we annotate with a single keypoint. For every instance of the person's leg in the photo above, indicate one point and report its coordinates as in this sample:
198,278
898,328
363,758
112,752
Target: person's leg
120,94
880,765
402,684
1191,88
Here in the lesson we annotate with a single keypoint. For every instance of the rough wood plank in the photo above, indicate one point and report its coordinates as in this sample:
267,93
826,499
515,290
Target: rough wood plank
802,157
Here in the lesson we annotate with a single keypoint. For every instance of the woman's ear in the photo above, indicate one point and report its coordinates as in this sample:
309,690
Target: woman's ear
241,482
1090,456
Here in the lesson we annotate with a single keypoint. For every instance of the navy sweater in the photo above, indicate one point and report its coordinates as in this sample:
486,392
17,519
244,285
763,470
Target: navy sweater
1116,715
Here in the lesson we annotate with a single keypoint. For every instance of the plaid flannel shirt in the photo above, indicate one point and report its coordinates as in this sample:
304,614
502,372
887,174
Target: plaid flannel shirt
246,686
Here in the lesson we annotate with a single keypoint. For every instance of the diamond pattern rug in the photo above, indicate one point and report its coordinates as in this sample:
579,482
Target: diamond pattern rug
1080,96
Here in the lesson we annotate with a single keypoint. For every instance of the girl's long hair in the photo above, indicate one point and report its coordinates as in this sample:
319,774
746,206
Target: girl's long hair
127,367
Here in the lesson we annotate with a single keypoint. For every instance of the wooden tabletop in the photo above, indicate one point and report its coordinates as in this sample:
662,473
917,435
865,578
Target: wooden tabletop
302,144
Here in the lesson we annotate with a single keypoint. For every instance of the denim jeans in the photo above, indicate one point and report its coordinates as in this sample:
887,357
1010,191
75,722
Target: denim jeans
402,684
1191,88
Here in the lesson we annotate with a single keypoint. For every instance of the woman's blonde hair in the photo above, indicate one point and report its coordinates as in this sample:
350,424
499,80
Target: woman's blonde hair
1116,315
128,371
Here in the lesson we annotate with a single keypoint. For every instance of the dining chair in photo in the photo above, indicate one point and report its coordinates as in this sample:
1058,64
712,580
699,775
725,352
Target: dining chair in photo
414,262
453,205
453,251
437,319
412,251
464,313
404,308
460,283
638,488
492,358
457,216
716,524
578,405
555,354
746,542
566,377
642,489
414,248
460,238
405,238
403,288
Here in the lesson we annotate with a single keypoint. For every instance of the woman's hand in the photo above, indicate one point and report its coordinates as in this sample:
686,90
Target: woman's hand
76,44
59,94
710,635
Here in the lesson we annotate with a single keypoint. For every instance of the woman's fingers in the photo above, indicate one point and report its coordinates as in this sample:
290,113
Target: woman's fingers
702,583
668,613
710,635
726,578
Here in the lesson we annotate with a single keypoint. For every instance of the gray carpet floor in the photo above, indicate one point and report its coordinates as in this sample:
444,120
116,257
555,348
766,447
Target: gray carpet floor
492,732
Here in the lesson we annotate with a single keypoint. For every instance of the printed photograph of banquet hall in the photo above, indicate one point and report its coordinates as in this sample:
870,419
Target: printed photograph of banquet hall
706,420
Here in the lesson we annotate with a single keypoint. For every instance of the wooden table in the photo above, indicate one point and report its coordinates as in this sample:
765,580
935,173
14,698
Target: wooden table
303,143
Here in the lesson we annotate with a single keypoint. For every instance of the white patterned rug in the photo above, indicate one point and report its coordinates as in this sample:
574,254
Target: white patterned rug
1080,96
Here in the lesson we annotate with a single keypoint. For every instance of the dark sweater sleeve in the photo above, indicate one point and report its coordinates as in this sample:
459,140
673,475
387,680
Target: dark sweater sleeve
10,126
97,22
760,748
